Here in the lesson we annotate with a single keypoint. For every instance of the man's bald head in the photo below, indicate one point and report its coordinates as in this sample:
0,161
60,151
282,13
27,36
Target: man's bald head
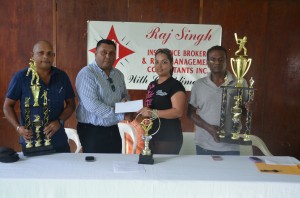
42,42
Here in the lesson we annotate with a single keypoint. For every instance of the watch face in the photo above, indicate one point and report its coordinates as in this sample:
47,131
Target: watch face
61,122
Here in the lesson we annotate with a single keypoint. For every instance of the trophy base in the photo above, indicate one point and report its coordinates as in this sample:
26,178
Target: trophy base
35,151
146,159
227,139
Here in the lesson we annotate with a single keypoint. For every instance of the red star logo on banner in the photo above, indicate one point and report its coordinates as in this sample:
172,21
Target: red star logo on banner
122,52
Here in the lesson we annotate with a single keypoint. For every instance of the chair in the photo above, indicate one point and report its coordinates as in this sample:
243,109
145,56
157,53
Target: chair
257,142
127,128
72,135
188,145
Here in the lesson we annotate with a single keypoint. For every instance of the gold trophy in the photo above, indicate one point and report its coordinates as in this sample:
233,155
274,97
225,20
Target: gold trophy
146,156
35,146
240,66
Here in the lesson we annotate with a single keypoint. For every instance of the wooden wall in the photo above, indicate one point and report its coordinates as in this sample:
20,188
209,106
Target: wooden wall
270,25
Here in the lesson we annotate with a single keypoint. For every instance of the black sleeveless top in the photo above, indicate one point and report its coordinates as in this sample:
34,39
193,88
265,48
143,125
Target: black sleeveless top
159,97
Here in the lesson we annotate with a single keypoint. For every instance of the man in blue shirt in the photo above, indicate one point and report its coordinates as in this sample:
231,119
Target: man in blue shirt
99,86
55,93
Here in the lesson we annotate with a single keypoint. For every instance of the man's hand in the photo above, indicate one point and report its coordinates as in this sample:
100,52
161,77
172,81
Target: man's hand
128,117
52,128
213,131
249,106
25,133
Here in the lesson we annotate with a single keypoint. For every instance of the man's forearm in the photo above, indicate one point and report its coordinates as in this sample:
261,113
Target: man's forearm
199,122
9,112
68,110
191,113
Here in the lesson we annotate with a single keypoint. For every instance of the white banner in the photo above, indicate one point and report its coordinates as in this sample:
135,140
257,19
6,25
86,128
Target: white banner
137,42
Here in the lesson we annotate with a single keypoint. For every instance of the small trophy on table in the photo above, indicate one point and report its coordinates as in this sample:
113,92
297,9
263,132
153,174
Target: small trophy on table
36,146
146,156
240,66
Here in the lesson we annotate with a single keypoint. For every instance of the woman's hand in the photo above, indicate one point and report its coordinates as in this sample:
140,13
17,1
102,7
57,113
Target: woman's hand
145,112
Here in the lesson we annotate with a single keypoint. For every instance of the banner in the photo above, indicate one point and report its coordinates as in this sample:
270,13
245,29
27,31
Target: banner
137,43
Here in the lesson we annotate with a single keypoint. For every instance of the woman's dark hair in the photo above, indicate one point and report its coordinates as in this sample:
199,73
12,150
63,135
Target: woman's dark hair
169,55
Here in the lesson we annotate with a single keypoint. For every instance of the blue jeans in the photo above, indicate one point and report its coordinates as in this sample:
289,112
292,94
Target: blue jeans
202,151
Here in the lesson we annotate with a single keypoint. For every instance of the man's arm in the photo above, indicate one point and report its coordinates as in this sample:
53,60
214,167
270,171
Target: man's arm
11,116
68,110
211,129
54,125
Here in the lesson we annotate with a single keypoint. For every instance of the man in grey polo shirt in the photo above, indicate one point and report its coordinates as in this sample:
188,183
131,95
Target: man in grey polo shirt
205,105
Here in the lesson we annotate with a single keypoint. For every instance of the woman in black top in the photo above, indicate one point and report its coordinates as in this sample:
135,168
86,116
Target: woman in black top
166,98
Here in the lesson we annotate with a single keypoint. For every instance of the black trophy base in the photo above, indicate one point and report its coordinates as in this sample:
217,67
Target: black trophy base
35,151
146,159
240,141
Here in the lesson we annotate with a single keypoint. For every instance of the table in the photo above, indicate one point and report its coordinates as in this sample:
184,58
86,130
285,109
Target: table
68,175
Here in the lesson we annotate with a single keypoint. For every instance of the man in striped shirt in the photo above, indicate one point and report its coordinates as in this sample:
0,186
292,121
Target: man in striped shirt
99,86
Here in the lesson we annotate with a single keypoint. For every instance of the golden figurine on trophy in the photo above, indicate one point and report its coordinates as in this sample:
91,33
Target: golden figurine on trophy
35,86
240,65
146,156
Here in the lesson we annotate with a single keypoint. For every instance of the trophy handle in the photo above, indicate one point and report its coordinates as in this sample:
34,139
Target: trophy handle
249,61
232,61
151,119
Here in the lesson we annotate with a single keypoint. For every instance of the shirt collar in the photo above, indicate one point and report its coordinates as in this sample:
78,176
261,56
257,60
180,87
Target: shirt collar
230,78
98,69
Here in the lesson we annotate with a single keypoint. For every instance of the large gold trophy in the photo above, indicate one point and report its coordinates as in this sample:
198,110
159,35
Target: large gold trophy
240,66
146,156
36,122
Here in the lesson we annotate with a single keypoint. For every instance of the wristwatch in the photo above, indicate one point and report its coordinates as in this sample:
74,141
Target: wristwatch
61,122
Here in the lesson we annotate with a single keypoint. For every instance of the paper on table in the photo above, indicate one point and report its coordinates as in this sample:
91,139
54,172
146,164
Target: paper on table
278,169
130,106
282,161
126,167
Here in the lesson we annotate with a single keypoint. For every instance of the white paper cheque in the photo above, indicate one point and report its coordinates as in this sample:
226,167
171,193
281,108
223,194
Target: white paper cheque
130,106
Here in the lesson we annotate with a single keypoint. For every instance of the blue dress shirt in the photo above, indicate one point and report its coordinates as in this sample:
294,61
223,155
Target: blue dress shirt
97,95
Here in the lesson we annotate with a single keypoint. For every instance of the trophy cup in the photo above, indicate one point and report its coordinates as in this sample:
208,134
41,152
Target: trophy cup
35,123
146,156
240,66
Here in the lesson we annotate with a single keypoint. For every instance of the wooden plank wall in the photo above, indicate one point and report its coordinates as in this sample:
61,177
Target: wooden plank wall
270,25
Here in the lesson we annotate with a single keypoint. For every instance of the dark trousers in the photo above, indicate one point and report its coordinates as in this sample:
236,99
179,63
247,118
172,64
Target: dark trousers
63,149
99,139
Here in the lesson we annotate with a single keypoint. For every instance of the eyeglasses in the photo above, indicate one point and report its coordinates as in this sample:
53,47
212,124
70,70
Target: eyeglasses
214,60
113,88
